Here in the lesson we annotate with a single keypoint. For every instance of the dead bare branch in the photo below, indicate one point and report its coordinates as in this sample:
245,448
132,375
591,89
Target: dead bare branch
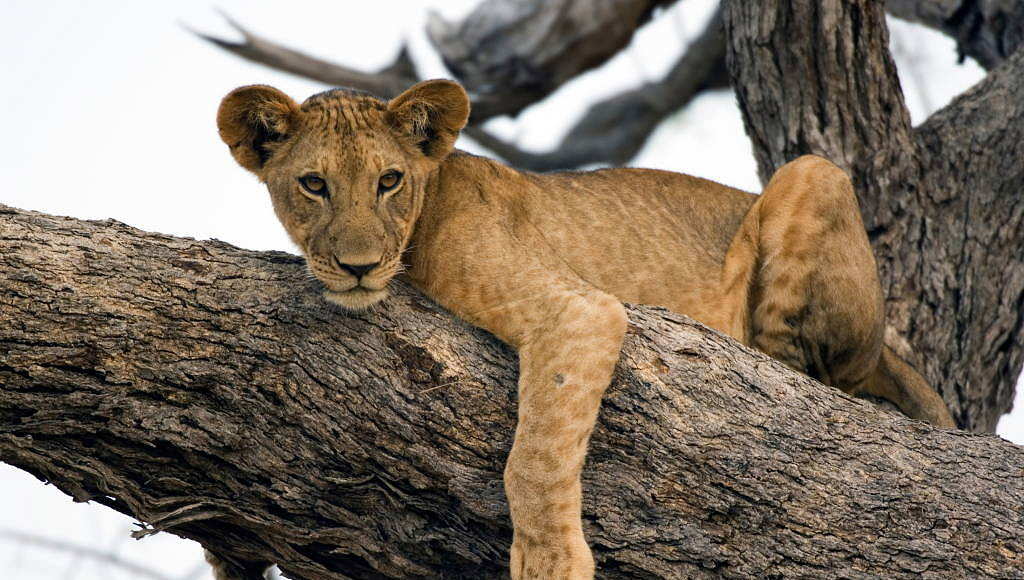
613,130
386,82
513,54
986,30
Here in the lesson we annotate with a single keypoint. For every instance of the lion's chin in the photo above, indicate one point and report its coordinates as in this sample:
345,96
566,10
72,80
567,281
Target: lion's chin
358,298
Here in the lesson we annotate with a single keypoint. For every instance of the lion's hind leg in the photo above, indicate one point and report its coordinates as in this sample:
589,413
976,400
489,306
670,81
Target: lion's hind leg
811,292
813,297
804,289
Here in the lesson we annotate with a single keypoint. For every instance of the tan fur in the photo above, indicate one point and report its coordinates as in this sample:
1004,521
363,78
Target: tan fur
545,261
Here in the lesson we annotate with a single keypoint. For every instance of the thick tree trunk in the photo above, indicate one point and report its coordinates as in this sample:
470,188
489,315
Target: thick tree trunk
943,203
210,392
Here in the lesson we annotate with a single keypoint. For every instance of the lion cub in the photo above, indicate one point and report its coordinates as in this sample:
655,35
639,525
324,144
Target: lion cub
368,188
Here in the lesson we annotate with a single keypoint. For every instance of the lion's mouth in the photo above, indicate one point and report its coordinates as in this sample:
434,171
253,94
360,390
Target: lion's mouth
356,298
352,294
364,284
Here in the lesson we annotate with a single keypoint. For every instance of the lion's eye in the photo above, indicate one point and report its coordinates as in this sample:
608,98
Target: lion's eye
314,185
388,181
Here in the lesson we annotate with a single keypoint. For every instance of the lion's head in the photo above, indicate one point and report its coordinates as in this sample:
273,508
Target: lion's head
346,172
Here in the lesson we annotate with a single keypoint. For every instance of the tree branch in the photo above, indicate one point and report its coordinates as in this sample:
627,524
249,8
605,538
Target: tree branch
614,130
973,212
514,54
211,392
553,42
988,31
386,83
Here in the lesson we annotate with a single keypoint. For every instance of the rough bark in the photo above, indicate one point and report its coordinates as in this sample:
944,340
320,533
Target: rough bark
968,286
210,392
942,204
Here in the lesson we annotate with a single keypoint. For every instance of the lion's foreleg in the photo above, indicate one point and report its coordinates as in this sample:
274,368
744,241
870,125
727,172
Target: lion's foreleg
570,344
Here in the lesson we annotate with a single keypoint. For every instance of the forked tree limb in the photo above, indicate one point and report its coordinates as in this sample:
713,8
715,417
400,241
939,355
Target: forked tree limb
210,392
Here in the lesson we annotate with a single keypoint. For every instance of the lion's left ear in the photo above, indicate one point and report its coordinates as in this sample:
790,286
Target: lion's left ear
432,113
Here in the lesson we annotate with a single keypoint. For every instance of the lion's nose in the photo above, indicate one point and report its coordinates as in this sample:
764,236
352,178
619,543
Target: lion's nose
357,270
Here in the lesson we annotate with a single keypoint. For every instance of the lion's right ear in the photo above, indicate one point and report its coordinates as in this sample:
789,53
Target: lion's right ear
250,118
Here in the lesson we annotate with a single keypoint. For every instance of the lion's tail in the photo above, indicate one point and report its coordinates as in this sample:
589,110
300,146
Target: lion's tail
900,383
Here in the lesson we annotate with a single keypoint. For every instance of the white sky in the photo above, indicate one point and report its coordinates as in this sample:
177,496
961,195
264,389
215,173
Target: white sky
110,113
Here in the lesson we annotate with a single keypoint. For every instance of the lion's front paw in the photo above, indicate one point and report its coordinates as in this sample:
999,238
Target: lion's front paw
568,560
